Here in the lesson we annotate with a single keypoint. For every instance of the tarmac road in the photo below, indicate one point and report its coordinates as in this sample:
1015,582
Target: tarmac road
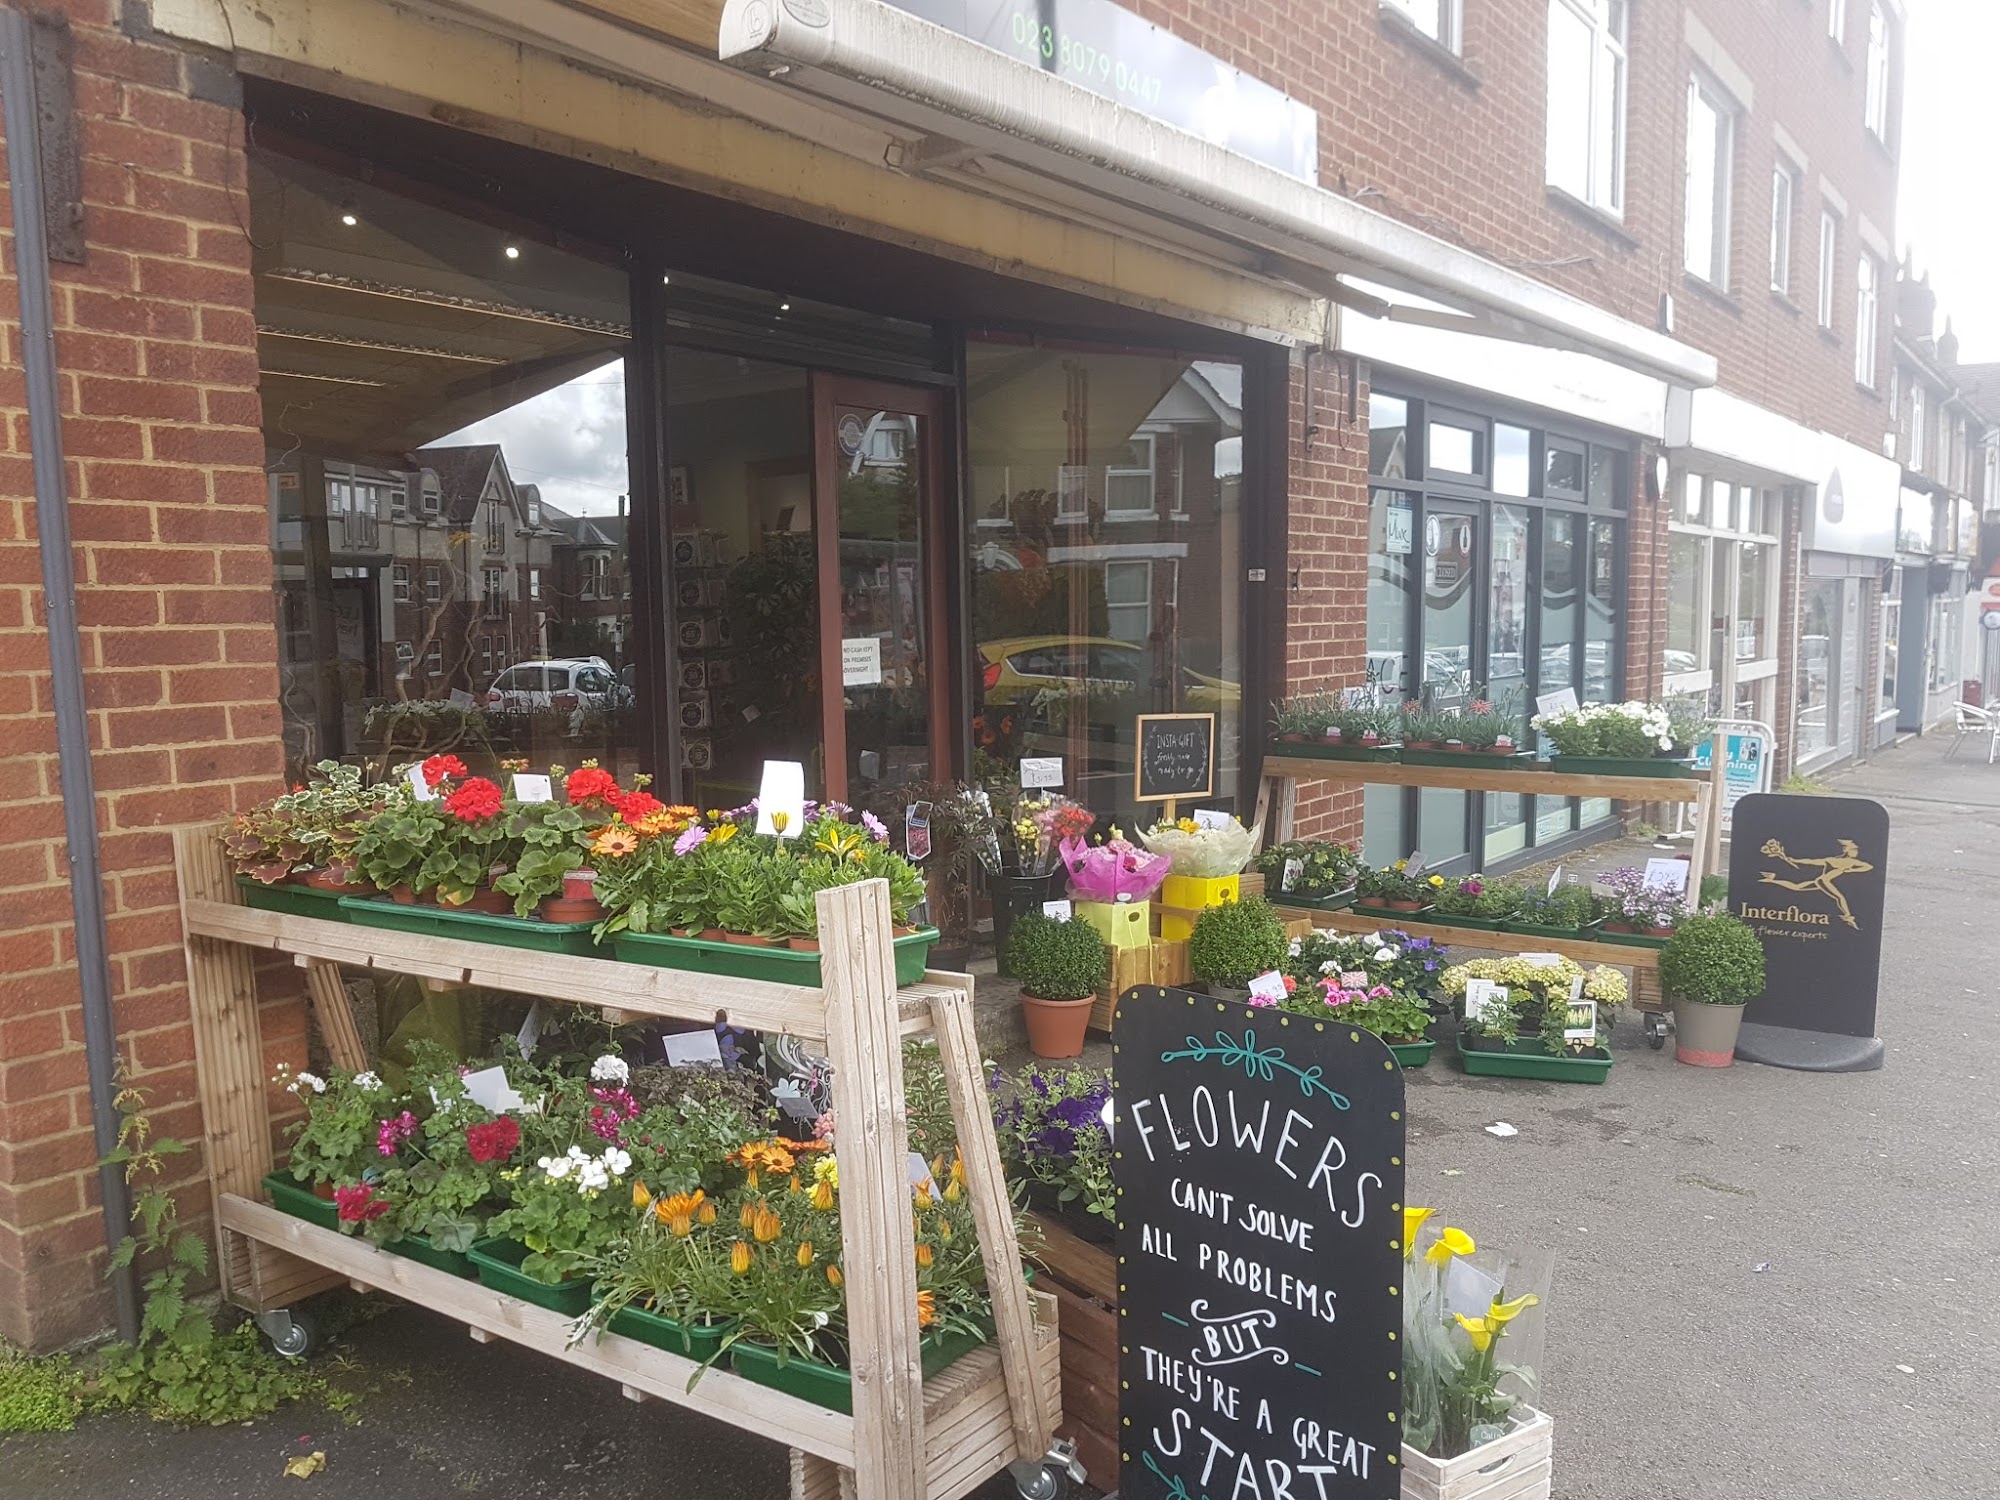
1768,1285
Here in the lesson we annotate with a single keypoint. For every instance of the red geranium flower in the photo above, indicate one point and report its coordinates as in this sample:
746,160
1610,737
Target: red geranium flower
358,1204
588,782
440,767
476,801
493,1141
633,806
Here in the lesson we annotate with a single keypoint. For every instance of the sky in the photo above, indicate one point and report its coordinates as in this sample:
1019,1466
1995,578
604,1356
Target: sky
570,441
1948,216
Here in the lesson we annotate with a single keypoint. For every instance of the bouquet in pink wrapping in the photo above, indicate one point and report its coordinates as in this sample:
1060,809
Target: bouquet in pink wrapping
1116,870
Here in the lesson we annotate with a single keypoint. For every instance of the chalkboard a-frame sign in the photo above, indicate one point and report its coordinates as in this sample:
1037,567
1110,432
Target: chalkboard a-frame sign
1176,757
1259,1166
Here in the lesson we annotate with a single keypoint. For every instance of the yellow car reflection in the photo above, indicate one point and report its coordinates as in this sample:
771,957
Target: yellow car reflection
1017,668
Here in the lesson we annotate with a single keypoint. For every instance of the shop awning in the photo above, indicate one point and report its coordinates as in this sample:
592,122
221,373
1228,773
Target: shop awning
1012,130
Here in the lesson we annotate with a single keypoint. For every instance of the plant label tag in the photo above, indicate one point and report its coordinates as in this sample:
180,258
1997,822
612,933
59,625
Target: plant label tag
1555,879
1062,911
1041,770
1269,987
531,1029
917,830
782,798
1294,868
1354,979
490,1090
418,785
529,788
693,1049
1483,997
1542,960
1580,1021
1213,817
920,1175
1562,701
751,714
1469,1290
1414,865
1667,875
460,698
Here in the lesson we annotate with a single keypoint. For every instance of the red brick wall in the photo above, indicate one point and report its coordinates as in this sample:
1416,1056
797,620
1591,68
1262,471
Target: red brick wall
1459,152
161,431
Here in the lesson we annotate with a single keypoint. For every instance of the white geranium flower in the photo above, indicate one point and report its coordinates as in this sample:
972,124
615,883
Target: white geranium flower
1294,948
1385,955
367,1081
309,1081
612,1069
556,1166
617,1161
592,1178
1330,966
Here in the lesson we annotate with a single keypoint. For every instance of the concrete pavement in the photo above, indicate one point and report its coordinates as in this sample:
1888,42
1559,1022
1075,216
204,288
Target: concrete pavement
1768,1285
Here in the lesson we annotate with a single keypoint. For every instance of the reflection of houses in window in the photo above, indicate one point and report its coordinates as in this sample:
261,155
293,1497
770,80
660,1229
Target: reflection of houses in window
591,585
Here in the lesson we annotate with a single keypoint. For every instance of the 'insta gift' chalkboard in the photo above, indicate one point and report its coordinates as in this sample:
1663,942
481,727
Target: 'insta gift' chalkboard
1259,1162
1176,757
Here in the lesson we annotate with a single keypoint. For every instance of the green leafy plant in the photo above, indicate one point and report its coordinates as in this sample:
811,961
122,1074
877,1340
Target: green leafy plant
181,1369
1322,868
1423,723
1568,905
1392,883
314,826
1713,960
37,1394
550,839
336,1141
1537,999
1235,942
1057,960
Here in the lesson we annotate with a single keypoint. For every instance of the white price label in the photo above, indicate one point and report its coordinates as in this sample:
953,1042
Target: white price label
1062,911
420,786
528,788
693,1049
1667,874
1294,868
1041,771
1581,1024
1483,997
861,661
1211,817
1269,986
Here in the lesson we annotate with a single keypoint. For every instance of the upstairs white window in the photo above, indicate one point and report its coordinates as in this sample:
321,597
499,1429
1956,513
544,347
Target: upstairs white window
1918,431
1867,315
1878,71
1128,487
1586,105
1784,197
1836,20
1829,264
1711,156
1436,19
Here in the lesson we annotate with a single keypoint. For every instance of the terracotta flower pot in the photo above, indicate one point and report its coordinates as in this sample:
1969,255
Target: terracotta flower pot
327,880
1454,744
712,935
1292,739
802,944
580,885
1619,927
1659,932
1404,905
1371,739
403,895
490,902
1705,1035
1056,1028
323,1191
751,940
563,909
1419,744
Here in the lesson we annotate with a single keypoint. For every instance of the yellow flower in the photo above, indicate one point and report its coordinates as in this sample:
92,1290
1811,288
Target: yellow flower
833,1277
944,1230
953,1191
1482,1335
766,1226
1483,1331
707,1214
805,1254
723,834
926,1309
1413,1223
614,842
739,1258
822,1195
827,1170
1451,1242
1503,1313
678,1212
747,1216
1437,880
640,1197
924,1256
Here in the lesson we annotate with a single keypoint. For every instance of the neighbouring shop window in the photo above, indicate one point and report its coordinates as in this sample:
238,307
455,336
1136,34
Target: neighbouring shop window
1092,603
405,352
1392,533
1722,564
1388,436
1586,101
1819,624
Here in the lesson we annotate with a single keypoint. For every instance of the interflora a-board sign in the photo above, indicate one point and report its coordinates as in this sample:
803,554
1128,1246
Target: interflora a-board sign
1259,1162
1810,875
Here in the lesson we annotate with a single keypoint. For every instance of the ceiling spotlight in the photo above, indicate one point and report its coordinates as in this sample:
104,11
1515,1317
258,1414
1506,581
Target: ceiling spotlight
784,307
666,281
513,252
349,220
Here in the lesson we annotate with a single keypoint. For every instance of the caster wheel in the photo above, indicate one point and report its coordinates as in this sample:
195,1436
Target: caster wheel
296,1339
1657,1040
1048,1483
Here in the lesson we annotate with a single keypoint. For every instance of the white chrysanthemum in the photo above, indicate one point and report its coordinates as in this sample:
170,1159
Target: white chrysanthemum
611,1068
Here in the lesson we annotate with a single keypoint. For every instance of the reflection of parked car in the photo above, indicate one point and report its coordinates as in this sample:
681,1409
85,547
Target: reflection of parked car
1014,671
566,684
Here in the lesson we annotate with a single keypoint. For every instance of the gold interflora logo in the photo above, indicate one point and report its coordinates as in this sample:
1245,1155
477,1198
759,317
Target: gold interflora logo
1831,868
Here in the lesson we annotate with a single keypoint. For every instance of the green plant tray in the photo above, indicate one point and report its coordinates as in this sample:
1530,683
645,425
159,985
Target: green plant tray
772,965
1610,765
1338,901
697,1341
292,900
1320,750
1412,1054
823,1384
531,933
1385,914
415,1247
1630,939
499,1265
290,1196
1475,924
1526,1059
1512,761
1535,929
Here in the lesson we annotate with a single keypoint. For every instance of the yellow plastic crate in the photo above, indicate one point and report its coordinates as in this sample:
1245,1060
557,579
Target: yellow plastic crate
1187,893
1122,924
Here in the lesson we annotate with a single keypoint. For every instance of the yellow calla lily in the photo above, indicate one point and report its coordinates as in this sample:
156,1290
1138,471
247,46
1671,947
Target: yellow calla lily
1502,1313
1479,1329
1413,1223
1451,1242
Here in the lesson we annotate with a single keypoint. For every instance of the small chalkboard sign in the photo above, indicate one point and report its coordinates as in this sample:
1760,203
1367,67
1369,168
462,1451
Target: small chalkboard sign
1259,1165
1176,757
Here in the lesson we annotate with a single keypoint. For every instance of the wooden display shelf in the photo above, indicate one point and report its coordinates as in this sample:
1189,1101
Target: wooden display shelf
965,1406
1476,778
1618,955
907,1439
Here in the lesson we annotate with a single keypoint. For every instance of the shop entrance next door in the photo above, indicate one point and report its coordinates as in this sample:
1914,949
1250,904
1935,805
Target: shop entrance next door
1447,632
878,493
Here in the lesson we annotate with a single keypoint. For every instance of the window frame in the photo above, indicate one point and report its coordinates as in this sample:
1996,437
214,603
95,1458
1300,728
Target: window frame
492,591
1785,182
1603,185
496,527
1451,22
406,660
1705,93
1919,453
1867,320
1836,22
399,583
1875,99
1145,603
433,584
1150,473
1829,266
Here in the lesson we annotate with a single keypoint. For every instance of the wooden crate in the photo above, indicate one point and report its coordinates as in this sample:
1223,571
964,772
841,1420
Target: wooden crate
1518,1466
1161,963
1084,1279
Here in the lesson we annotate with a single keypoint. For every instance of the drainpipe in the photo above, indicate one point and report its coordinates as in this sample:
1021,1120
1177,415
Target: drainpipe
79,797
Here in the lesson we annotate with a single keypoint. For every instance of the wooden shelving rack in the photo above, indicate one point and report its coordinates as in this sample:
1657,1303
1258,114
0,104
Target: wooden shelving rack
908,1439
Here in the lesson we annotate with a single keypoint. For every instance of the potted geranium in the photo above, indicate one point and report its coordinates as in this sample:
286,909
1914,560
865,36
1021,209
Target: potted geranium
1059,963
1309,872
333,1145
1393,890
1426,726
306,837
1234,943
1375,980
1612,739
1471,901
1535,1016
1711,968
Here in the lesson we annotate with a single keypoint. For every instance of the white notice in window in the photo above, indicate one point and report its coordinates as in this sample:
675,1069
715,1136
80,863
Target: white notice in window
860,661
